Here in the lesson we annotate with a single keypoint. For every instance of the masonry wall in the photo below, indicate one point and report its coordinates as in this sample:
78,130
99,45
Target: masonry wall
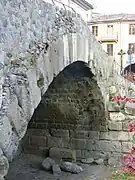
72,118
37,41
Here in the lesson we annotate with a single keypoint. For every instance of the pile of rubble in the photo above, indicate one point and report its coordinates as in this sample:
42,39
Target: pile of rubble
51,165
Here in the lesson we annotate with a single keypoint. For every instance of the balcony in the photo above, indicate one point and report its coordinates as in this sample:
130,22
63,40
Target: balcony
108,38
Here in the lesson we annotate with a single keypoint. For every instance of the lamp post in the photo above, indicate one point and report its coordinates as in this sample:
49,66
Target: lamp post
121,53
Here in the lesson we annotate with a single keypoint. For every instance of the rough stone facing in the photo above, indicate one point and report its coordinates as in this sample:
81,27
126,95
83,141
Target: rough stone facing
37,41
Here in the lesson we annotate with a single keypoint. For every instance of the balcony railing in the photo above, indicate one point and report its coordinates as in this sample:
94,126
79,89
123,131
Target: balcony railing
108,38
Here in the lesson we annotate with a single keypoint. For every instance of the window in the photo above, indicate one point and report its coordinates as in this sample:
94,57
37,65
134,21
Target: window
110,49
110,30
132,47
132,29
95,30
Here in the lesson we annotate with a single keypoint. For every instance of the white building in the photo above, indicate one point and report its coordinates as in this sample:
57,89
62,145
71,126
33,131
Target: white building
115,32
82,7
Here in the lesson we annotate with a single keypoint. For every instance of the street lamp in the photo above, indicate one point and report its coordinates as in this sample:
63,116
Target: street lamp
121,53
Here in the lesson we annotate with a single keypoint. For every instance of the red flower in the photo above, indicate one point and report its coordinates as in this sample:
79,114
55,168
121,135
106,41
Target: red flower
124,169
131,126
133,149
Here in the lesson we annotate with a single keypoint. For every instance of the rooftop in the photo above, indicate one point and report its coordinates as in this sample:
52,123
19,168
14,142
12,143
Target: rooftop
97,18
83,4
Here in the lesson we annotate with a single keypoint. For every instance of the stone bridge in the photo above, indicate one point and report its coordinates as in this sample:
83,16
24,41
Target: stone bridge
56,78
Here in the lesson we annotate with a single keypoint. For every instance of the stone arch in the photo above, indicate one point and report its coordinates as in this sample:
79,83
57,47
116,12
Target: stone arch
83,95
71,111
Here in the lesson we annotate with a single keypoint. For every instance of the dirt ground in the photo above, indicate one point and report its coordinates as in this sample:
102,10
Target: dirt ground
28,167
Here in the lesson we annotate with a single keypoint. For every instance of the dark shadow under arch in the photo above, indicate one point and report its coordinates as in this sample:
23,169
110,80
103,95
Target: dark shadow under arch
73,100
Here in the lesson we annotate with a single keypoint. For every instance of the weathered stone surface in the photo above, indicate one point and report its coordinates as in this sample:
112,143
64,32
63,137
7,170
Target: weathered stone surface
28,57
115,126
126,147
79,134
38,141
54,142
71,167
115,160
115,136
79,143
48,163
125,126
4,166
115,116
56,169
99,161
61,153
130,108
94,135
113,90
5,132
94,154
17,117
113,107
108,146
1,177
87,161
60,133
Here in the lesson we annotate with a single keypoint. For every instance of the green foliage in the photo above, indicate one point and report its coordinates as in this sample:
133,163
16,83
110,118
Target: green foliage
122,176
40,82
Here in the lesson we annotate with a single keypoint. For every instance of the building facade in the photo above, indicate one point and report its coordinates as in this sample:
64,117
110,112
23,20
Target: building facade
82,7
116,34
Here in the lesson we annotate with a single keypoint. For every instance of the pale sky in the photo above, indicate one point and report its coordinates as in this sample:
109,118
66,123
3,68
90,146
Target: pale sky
114,6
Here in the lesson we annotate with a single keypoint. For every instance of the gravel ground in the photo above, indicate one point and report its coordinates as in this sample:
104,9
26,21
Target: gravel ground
28,167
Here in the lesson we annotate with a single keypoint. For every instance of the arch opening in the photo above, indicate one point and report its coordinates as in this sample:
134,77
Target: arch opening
70,114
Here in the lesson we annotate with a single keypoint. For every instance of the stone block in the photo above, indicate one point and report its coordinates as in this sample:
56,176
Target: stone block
54,142
38,141
99,161
115,136
87,161
113,107
94,154
66,143
56,169
39,151
125,126
115,125
94,135
115,160
130,108
126,147
117,116
79,143
79,134
90,145
48,163
78,154
71,167
60,133
108,146
38,132
62,153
